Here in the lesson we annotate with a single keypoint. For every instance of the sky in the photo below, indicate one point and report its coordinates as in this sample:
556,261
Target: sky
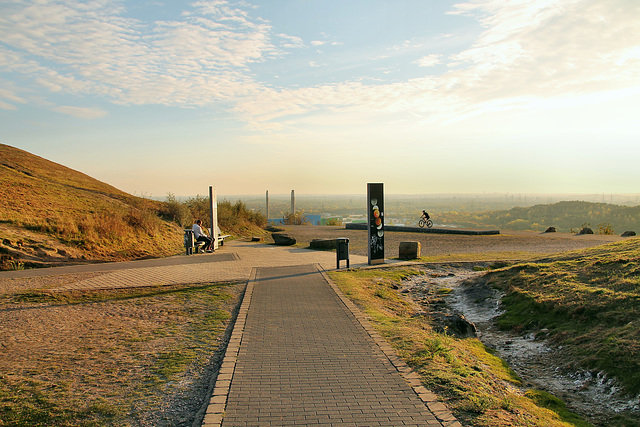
321,97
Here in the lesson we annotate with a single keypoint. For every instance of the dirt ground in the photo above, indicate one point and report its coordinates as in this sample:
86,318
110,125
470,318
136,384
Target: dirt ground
505,245
124,359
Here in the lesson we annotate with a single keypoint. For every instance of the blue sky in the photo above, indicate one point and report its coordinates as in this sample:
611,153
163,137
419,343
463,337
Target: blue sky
158,97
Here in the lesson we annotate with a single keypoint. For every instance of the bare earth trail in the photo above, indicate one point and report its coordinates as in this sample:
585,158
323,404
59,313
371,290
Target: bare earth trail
29,335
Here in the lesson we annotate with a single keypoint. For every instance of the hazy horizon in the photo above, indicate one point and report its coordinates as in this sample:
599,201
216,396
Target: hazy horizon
162,96
496,199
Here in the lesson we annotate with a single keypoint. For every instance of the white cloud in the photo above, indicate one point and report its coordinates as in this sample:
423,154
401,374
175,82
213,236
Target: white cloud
407,44
80,112
9,96
6,106
291,42
429,60
532,51
92,48
530,55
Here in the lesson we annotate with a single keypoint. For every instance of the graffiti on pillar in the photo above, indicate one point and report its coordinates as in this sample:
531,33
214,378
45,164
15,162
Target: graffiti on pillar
375,198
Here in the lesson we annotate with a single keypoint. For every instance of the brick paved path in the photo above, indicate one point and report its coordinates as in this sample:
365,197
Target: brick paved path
304,358
232,263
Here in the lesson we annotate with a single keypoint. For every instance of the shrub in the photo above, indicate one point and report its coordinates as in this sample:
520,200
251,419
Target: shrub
332,221
232,218
237,217
297,218
606,229
199,207
176,211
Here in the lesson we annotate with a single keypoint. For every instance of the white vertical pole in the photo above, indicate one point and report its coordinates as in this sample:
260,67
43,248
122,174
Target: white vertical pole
213,207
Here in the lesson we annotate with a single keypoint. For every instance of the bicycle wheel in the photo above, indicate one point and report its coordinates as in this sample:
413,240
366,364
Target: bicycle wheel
421,223
429,223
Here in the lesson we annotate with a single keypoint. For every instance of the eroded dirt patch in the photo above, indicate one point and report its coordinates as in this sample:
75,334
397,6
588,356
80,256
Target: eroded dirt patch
144,359
459,290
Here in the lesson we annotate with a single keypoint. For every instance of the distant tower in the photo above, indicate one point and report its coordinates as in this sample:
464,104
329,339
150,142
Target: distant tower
267,205
293,203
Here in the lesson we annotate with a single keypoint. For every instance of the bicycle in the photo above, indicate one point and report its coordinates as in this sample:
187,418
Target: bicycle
425,221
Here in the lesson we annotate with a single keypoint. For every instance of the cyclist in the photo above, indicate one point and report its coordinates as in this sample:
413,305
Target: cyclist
425,215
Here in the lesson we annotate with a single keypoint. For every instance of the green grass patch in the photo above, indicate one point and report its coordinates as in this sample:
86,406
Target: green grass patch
44,296
588,300
549,401
173,362
28,402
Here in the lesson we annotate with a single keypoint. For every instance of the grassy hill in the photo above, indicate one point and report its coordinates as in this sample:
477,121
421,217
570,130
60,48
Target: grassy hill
585,301
565,216
50,213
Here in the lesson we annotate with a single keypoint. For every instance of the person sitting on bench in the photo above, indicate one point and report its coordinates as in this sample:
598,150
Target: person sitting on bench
198,233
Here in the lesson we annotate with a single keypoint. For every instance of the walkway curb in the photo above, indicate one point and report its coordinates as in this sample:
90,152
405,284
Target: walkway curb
440,411
217,404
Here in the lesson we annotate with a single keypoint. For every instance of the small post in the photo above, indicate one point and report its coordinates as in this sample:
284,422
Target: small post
342,251
267,195
293,203
188,241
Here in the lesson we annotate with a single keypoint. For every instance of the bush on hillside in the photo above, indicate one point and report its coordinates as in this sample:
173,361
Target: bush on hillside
199,207
237,218
232,218
176,211
605,229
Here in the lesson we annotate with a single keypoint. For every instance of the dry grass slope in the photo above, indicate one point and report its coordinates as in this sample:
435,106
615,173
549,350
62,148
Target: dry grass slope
50,213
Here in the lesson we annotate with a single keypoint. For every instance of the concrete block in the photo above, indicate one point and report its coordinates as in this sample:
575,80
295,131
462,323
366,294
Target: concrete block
409,250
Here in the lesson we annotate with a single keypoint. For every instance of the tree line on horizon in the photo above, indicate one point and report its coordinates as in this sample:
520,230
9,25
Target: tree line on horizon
567,216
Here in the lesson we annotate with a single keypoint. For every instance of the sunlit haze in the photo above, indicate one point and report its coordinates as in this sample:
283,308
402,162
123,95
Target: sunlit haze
166,96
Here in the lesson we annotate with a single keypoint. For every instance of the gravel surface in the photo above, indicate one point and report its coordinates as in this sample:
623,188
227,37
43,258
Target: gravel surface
508,242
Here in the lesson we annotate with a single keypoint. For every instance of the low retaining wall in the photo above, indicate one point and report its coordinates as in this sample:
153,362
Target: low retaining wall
361,226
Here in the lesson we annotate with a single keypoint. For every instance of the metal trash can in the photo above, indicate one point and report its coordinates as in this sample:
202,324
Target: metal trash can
188,241
342,250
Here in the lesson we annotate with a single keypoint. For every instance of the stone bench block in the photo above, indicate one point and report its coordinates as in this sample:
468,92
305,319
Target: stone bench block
323,244
282,239
409,250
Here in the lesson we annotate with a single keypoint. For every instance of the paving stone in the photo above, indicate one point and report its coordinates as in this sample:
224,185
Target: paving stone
305,359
